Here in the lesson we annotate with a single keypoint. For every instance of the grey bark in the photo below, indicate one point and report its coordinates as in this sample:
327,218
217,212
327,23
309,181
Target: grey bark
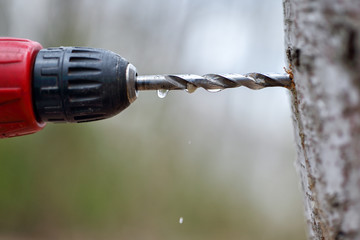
323,50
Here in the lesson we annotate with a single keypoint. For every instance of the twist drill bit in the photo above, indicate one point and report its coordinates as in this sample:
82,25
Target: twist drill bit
211,82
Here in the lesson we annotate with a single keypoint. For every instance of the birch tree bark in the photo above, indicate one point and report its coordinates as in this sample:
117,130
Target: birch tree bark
323,50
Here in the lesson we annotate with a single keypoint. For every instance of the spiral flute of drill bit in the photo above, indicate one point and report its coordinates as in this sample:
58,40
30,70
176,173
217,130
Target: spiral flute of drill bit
211,82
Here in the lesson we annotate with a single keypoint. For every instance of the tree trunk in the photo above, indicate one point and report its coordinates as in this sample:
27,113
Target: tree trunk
323,50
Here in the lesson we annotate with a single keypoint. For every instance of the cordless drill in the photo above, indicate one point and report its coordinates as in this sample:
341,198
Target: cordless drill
80,84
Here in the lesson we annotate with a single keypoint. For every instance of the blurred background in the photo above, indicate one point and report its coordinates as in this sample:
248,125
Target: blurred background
221,161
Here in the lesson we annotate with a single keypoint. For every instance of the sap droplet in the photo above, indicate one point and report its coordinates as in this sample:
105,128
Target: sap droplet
190,88
181,220
214,90
162,93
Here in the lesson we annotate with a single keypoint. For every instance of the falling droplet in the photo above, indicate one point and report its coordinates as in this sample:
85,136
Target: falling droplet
181,220
214,90
162,93
189,142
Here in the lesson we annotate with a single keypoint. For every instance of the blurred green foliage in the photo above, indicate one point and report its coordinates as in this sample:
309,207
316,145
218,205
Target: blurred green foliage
69,179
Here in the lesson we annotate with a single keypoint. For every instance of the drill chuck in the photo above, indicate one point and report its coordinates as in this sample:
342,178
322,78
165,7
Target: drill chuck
76,84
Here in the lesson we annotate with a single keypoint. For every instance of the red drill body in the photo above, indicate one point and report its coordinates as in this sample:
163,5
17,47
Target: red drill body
17,115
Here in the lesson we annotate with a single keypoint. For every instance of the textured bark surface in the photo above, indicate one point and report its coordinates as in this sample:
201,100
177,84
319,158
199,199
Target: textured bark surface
323,47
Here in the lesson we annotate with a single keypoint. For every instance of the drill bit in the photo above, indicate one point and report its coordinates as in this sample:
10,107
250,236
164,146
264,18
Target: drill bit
211,82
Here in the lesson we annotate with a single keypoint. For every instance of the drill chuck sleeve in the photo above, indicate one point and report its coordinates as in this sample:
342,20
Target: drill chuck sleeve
76,84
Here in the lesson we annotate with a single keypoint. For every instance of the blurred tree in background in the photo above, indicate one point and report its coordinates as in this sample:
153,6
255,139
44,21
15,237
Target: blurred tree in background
223,162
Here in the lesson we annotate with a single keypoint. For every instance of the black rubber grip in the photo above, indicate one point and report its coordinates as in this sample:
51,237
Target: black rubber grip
76,84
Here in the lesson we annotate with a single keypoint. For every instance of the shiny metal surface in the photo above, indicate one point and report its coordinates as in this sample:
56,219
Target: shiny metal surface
131,82
211,82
